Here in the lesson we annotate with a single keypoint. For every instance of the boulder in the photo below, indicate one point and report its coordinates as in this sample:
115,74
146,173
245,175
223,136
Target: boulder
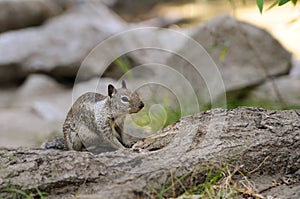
33,111
295,70
59,46
244,56
219,57
287,86
41,89
19,14
22,127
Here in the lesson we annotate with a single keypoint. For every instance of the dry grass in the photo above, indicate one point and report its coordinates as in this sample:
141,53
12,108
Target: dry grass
227,182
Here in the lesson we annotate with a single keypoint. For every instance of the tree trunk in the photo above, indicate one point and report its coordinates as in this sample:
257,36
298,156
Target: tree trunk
266,142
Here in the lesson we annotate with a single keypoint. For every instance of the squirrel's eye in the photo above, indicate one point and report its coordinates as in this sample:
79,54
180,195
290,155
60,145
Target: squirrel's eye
125,99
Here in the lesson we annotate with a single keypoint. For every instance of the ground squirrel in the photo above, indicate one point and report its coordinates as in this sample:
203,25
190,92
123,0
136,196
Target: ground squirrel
95,122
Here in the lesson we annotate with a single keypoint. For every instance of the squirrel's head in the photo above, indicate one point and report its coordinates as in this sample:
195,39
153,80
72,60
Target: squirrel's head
123,101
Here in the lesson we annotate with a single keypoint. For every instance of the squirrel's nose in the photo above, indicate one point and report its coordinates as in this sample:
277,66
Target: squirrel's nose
141,105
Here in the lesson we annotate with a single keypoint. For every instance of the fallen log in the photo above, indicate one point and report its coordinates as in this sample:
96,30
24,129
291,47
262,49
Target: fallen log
265,142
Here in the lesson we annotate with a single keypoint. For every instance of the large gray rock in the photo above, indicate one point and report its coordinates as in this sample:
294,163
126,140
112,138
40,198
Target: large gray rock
295,70
33,111
59,46
244,56
288,88
20,14
224,55
22,127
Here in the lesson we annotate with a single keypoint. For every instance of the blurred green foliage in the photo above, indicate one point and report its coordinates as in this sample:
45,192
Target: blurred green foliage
19,193
154,118
124,64
261,3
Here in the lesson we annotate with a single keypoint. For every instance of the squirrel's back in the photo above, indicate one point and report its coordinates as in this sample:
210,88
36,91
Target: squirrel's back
80,128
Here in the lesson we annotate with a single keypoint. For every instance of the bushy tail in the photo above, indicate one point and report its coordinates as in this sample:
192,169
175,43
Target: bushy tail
55,143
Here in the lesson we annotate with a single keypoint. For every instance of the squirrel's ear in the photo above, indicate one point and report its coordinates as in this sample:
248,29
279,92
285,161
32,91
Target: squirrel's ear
123,84
111,90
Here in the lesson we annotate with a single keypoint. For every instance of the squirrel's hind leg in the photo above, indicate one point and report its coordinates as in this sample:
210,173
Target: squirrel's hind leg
73,141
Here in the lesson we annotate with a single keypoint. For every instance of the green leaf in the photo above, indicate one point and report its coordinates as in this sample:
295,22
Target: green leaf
294,2
273,4
282,2
260,4
223,53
